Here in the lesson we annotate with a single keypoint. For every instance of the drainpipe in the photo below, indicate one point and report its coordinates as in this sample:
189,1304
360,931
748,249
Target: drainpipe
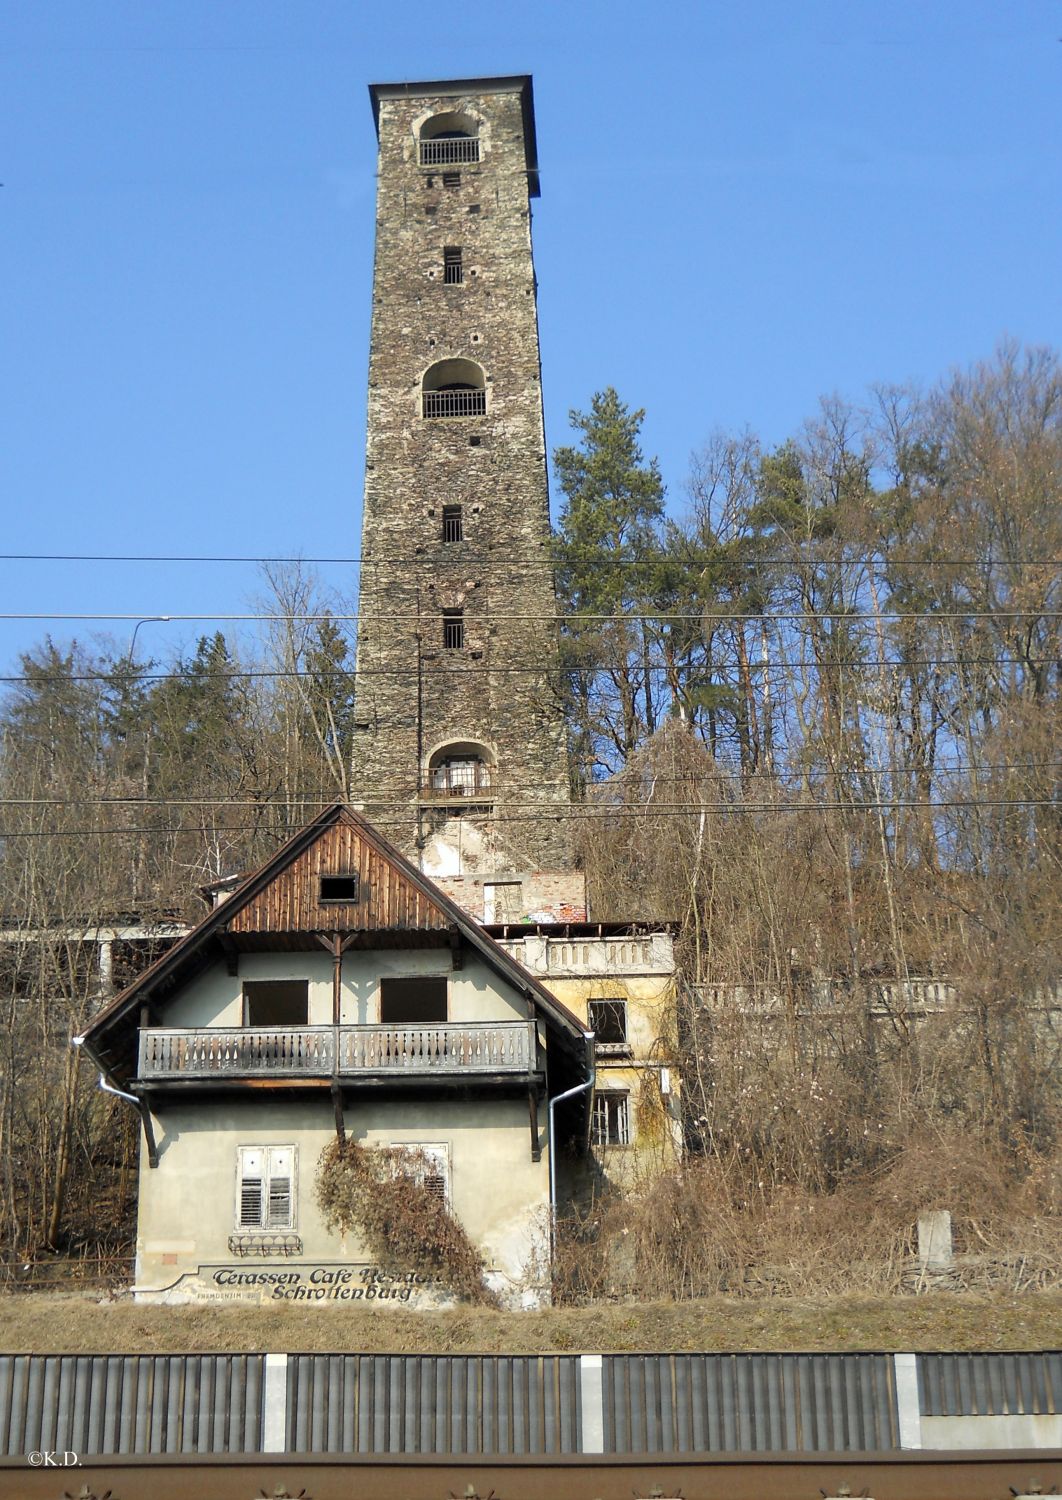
580,1088
141,1108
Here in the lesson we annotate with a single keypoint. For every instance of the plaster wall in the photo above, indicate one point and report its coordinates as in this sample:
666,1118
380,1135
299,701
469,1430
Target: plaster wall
188,1204
476,993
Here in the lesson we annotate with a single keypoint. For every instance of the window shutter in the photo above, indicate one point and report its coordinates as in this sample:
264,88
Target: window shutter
252,1185
279,1210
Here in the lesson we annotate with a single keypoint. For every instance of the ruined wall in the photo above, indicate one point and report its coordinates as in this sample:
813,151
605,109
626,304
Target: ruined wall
497,690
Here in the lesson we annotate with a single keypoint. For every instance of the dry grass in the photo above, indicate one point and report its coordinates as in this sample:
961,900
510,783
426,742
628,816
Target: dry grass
41,1323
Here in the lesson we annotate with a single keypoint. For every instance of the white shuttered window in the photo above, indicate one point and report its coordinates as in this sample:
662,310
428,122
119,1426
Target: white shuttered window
265,1189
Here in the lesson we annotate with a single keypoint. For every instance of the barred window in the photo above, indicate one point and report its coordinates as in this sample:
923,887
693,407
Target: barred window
453,629
453,524
453,266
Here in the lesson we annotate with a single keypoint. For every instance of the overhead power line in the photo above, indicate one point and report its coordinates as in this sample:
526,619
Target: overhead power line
584,812
505,558
658,617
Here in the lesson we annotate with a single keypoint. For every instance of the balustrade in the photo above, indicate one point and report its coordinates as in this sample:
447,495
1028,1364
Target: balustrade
308,1051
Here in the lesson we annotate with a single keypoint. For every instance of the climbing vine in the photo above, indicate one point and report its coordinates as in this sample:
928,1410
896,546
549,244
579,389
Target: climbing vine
386,1196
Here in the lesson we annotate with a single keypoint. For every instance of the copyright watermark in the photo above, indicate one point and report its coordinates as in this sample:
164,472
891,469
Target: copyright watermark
46,1458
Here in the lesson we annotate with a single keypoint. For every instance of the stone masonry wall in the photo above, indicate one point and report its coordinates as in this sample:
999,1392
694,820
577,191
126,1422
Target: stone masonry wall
499,690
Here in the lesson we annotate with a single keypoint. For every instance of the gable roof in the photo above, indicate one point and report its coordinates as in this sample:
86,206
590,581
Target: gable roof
281,901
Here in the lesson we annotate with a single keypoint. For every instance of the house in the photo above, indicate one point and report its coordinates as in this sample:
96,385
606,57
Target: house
337,991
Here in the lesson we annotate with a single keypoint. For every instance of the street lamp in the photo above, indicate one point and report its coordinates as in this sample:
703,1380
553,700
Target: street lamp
147,620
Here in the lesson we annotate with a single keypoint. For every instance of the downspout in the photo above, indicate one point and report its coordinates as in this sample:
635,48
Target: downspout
141,1107
580,1088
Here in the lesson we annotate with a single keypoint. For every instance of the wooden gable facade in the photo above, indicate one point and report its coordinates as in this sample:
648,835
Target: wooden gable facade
380,896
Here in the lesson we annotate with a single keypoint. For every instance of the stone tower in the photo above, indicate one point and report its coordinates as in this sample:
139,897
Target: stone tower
461,756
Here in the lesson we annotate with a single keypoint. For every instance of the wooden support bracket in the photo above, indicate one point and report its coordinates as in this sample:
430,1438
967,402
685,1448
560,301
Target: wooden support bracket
149,1134
337,1106
231,952
455,946
532,1110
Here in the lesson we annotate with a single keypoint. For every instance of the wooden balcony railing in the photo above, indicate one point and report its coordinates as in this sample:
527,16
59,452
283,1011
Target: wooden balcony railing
350,1051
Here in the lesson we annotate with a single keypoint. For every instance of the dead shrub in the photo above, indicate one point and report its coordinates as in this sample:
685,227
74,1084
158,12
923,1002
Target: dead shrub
701,1230
378,1192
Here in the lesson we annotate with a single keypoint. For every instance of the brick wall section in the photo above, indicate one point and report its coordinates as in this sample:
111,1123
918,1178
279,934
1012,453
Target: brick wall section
412,694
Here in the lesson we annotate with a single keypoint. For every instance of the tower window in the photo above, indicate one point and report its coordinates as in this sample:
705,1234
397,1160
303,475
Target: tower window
454,388
453,525
453,629
451,179
453,271
449,140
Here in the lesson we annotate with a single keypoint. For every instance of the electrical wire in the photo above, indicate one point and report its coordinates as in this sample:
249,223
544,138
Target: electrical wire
606,558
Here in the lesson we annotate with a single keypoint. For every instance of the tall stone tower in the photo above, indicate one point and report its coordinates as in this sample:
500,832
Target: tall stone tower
461,756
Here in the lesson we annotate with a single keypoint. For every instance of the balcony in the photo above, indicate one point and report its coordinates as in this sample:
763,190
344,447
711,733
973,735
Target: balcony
449,151
463,781
457,1049
455,403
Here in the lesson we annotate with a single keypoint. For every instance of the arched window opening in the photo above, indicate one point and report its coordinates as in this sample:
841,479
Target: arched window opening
449,140
460,773
454,388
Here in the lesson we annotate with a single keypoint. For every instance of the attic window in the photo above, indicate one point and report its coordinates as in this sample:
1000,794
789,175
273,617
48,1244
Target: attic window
276,1002
339,887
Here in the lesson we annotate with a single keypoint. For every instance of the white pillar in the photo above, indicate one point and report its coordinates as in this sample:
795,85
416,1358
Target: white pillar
592,1402
275,1404
907,1405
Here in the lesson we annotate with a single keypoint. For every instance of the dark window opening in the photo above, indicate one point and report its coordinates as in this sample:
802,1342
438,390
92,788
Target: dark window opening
276,1002
474,442
413,1002
453,270
610,1124
453,629
473,208
339,887
451,179
608,1022
453,525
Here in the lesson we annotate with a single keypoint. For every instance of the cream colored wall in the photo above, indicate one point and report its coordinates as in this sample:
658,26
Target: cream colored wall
188,1203
655,1122
215,999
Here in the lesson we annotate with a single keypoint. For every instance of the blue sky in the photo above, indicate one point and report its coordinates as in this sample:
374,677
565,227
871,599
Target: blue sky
744,206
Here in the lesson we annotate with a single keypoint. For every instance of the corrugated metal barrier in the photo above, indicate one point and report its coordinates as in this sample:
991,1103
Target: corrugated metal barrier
134,1403
520,1406
989,1385
364,1403
749,1403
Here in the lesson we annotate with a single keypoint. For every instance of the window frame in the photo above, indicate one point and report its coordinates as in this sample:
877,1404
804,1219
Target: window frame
353,875
418,980
453,265
266,1179
440,1150
613,1047
245,1001
619,1101
453,623
453,521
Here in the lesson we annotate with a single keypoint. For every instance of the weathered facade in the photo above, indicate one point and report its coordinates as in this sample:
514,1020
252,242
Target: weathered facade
461,755
336,990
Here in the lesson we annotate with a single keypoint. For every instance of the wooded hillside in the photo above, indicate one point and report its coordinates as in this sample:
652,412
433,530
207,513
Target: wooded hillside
814,716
